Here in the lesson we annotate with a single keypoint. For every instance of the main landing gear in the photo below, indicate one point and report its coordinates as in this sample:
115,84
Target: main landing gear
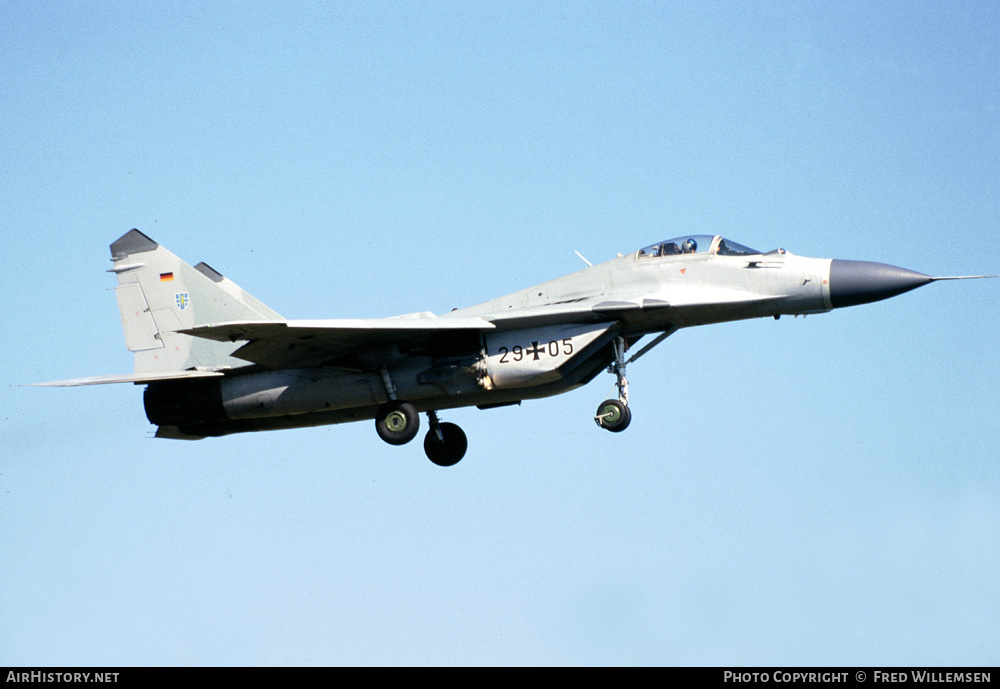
397,423
445,443
614,415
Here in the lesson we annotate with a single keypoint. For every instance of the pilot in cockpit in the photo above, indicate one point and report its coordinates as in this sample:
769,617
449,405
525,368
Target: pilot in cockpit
690,246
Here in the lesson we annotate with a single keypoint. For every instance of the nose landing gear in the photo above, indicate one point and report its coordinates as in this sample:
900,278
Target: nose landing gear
614,415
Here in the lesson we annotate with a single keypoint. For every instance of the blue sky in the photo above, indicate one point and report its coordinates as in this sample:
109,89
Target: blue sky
808,491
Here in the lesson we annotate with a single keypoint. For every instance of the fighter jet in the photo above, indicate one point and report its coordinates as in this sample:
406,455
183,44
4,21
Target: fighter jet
217,361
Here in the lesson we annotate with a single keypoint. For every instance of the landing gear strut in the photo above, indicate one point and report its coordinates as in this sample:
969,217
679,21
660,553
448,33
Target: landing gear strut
614,415
445,443
396,421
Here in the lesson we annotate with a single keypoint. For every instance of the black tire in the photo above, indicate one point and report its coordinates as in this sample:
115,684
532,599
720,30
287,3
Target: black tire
614,416
397,423
449,452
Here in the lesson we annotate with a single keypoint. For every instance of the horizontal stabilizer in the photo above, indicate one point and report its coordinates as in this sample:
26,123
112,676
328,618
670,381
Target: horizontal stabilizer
149,377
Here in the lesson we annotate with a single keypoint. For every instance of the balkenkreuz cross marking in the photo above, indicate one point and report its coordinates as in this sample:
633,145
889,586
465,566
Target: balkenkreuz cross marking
535,350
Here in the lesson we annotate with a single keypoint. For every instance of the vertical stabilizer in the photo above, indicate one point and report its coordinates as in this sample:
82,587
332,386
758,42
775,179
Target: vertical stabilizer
159,294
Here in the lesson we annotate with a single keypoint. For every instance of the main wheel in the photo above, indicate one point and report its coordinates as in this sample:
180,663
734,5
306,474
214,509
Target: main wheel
613,415
397,423
450,451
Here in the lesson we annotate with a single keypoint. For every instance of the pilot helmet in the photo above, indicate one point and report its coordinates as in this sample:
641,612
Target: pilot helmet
690,246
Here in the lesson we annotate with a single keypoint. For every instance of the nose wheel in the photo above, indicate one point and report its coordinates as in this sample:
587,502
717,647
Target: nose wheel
614,415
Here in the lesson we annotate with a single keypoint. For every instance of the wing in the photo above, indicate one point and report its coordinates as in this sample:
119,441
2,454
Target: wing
305,344
352,342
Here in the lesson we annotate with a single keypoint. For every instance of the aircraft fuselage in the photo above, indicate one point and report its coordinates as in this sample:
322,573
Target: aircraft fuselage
218,361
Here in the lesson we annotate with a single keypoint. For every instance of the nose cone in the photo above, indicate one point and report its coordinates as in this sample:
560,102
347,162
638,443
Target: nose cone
861,282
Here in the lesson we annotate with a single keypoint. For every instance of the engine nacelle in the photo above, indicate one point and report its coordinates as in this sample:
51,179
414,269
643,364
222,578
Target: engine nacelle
259,395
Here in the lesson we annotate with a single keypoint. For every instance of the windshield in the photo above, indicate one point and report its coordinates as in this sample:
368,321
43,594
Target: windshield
696,244
728,248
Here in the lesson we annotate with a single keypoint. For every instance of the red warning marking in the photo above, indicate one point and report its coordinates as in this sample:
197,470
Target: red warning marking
683,270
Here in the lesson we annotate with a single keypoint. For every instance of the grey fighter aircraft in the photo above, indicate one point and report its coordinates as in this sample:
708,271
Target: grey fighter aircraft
216,361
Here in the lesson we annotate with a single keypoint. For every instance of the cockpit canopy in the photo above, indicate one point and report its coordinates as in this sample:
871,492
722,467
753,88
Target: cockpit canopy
696,244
